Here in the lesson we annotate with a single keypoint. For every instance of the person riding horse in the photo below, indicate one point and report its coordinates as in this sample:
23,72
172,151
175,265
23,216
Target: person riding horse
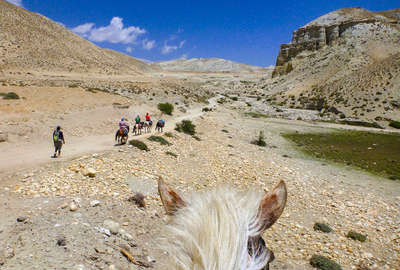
123,128
148,119
160,125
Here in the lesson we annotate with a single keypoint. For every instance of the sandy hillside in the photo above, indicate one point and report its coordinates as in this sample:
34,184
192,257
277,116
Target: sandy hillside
30,42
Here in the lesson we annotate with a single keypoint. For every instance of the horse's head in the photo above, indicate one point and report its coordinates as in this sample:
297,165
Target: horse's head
220,229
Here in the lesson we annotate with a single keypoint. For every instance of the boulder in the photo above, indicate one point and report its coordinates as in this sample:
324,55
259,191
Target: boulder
3,136
90,172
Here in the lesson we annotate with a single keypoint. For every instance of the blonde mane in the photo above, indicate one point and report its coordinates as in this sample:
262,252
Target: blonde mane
212,232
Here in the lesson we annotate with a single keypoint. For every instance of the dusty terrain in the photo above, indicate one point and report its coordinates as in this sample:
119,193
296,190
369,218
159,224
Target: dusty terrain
40,189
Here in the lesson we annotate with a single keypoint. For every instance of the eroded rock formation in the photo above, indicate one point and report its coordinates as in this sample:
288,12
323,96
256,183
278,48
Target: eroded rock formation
325,31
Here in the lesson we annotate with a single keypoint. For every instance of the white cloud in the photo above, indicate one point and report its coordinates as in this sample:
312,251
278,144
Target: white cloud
114,32
16,2
83,29
148,44
168,48
184,56
129,49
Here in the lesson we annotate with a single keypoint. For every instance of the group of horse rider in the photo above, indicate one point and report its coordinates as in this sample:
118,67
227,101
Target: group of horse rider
58,135
124,125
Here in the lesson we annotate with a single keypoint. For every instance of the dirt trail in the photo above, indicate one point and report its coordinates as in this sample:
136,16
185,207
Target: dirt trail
17,157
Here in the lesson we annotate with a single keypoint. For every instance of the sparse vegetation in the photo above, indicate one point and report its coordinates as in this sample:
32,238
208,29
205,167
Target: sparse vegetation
206,109
374,152
256,115
260,140
159,139
225,131
394,124
187,127
169,135
73,85
171,154
166,108
361,124
356,236
139,144
197,138
324,263
221,101
323,227
203,99
234,98
9,95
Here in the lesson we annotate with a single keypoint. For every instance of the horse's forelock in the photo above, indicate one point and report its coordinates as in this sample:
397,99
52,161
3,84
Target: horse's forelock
213,231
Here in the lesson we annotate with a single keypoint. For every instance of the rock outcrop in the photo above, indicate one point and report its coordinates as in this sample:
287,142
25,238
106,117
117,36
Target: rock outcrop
326,30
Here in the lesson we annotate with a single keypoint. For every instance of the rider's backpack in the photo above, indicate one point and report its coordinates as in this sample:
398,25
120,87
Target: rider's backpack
56,136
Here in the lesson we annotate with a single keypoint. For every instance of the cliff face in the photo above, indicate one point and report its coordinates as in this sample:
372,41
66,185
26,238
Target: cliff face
326,30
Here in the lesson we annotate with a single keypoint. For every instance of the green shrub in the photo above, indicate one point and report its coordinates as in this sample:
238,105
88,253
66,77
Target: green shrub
203,100
169,135
139,144
234,98
73,85
394,124
322,227
206,109
356,236
10,95
159,139
225,131
186,126
260,140
2,94
256,115
324,263
196,138
171,154
221,101
166,108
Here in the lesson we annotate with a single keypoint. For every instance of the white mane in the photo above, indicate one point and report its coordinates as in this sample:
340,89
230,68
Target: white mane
212,232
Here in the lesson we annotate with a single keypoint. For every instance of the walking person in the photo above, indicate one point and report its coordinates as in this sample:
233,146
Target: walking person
58,139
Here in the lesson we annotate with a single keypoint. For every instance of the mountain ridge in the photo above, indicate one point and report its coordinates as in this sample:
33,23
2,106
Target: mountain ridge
213,64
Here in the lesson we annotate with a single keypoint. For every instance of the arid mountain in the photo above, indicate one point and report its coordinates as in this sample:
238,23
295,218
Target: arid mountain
207,65
346,63
32,42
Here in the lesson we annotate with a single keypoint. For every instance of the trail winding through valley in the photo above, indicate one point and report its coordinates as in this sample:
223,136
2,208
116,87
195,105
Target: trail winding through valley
16,157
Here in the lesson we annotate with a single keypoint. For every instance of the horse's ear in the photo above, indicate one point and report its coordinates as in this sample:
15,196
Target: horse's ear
170,199
271,206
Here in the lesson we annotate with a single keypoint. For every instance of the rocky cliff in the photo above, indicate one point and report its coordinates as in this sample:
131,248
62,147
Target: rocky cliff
327,29
345,64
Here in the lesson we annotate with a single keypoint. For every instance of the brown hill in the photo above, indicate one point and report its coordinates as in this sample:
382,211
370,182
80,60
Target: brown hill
346,63
32,42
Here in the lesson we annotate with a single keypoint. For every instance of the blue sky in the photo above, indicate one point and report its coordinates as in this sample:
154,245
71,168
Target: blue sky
244,31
